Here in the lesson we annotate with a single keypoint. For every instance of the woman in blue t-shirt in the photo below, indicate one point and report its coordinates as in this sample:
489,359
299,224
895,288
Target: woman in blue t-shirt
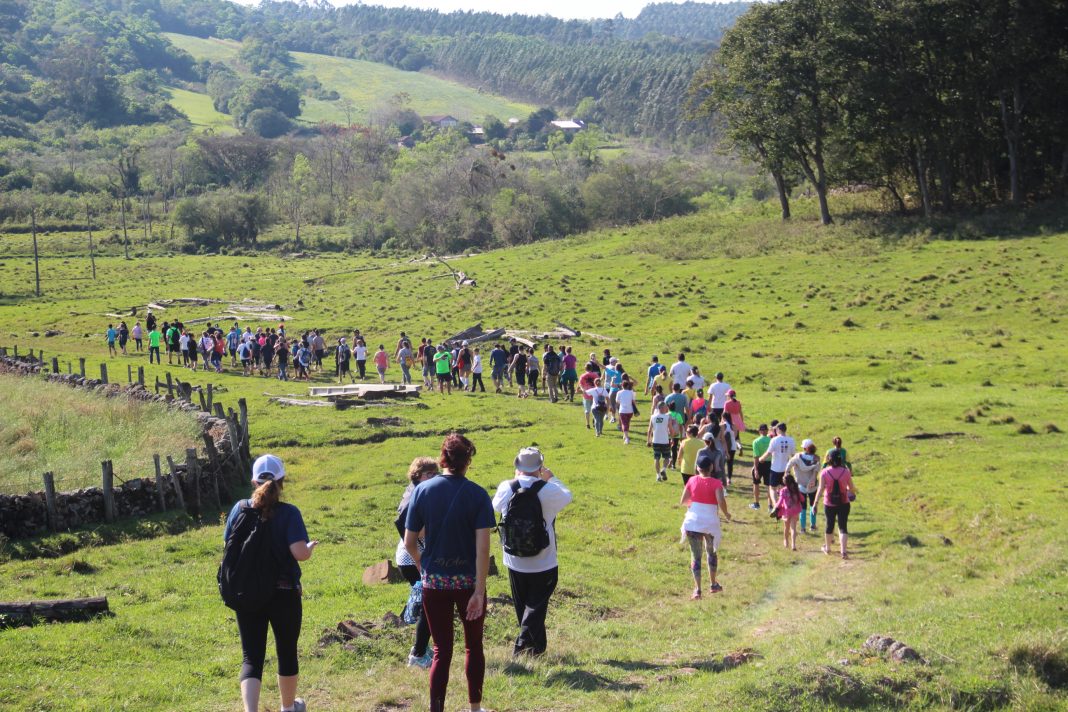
453,516
283,613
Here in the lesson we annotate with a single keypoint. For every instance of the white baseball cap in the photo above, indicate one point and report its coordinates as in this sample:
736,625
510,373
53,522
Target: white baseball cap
806,443
267,468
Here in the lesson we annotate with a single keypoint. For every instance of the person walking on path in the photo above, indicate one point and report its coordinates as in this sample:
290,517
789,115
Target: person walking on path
233,337
534,371
553,367
476,371
569,377
836,486
343,357
680,371
111,336
518,368
124,336
734,408
788,506
454,517
442,367
138,336
586,382
283,613
704,498
837,442
598,396
498,366
730,439
688,451
653,372
405,361
658,437
153,346
780,450
421,470
761,468
531,575
805,468
381,362
718,394
627,404
359,350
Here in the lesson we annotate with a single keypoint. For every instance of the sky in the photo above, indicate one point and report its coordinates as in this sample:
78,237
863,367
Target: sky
569,9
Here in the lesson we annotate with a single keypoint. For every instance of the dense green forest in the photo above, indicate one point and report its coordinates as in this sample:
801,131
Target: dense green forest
942,103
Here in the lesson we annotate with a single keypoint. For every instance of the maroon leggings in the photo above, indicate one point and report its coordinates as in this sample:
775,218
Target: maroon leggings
438,608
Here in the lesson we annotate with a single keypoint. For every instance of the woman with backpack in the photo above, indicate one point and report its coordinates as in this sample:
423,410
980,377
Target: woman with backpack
421,470
627,405
280,606
836,486
787,508
599,399
805,467
704,498
454,517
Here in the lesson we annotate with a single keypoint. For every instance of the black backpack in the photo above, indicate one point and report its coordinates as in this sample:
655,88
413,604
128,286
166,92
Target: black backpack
522,528
835,495
552,363
250,569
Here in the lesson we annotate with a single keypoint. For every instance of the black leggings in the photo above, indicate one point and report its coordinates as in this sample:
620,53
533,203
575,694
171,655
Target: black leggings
422,628
284,614
841,513
476,380
730,463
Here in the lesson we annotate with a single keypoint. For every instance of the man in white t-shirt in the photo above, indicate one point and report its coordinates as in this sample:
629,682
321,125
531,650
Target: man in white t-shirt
717,394
533,578
626,406
781,448
697,378
658,437
680,371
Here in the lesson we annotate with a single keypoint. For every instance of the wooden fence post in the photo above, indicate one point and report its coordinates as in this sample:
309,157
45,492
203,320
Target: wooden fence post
203,403
81,366
16,350
70,368
141,376
210,397
55,365
108,485
177,482
215,463
235,440
242,406
50,500
170,385
159,484
3,351
193,470
129,373
219,413
104,373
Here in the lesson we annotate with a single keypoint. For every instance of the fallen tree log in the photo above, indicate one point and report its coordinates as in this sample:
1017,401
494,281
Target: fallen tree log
58,610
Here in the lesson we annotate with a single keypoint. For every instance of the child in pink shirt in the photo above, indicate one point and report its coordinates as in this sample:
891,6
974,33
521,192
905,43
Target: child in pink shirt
381,361
788,509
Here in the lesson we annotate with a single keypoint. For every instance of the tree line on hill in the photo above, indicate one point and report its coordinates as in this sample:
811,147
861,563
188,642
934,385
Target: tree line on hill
942,103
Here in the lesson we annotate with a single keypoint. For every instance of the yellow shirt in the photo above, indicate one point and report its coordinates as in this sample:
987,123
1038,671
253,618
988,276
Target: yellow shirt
690,394
689,449
664,381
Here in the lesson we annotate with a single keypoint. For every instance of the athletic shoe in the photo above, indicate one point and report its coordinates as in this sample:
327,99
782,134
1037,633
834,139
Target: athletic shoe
299,705
422,661
715,588
754,505
626,441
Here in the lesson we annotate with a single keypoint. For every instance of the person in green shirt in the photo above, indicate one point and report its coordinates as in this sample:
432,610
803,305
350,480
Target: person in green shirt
443,369
689,449
761,470
153,345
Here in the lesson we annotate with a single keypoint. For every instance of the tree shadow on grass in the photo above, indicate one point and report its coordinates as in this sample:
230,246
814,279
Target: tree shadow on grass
646,666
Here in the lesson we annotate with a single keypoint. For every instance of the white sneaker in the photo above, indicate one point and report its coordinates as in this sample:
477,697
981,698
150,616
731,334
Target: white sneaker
299,705
422,662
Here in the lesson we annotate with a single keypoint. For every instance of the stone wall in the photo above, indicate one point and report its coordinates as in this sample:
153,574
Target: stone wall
215,480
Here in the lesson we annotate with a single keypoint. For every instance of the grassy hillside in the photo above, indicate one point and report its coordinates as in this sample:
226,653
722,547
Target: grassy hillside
369,86
52,428
957,543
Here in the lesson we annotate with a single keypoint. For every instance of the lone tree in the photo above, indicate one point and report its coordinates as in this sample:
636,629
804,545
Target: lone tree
297,197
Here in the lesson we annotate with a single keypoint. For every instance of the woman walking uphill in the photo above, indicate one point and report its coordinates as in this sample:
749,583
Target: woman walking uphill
836,486
453,516
282,611
421,470
704,499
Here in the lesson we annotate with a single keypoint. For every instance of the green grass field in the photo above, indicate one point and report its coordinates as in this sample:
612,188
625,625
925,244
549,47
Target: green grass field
957,539
368,85
199,110
48,427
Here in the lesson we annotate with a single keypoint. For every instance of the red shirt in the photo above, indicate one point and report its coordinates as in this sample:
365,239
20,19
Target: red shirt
586,383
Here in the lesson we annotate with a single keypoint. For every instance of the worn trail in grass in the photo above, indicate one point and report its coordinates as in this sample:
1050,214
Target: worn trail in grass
956,545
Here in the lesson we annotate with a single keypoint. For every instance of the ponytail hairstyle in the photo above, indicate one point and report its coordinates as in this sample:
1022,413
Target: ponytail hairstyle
265,498
456,454
791,485
837,442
